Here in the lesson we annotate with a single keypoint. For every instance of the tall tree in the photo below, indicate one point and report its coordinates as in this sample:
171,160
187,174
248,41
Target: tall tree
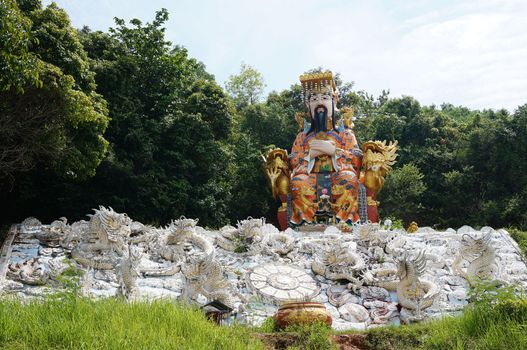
169,129
57,124
246,87
19,66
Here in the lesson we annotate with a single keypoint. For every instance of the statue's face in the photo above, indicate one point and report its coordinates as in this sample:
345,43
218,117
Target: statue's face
320,102
321,110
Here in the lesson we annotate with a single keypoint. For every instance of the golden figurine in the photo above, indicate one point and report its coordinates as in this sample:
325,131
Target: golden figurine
412,228
378,160
347,117
277,170
300,118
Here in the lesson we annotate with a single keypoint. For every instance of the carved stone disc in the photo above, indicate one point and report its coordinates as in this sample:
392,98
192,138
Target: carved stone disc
279,283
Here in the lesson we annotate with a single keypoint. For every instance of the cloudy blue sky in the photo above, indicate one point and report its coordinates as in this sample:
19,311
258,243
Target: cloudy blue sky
471,53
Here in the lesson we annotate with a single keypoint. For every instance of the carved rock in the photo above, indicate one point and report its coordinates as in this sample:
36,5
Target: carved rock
481,257
30,225
105,241
279,283
337,262
354,313
413,292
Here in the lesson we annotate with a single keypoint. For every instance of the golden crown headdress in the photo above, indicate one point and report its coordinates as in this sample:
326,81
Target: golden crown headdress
317,83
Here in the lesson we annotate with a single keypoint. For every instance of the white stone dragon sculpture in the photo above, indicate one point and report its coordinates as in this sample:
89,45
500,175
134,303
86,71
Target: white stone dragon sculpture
252,237
481,257
128,272
338,262
181,243
105,241
413,292
30,224
60,234
245,238
183,240
53,235
378,243
204,275
36,271
279,244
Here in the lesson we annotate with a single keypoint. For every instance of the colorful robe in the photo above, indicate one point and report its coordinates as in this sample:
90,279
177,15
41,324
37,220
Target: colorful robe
340,171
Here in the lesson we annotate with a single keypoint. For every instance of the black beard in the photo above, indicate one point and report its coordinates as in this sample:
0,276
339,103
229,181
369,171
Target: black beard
320,120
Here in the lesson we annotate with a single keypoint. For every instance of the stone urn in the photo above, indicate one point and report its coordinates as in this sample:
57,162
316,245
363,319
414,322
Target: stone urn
302,313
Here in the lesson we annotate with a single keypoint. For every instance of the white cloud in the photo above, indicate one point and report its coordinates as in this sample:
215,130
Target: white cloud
472,58
463,52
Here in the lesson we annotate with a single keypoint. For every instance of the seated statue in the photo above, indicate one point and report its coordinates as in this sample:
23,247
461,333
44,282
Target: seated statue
321,180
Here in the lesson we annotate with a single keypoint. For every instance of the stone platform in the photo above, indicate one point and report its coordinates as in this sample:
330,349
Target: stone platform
253,267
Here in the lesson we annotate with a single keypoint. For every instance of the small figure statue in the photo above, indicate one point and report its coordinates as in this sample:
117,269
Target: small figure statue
412,228
347,117
324,206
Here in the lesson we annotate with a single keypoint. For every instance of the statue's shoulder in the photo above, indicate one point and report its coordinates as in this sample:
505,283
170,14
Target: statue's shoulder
341,133
347,133
301,136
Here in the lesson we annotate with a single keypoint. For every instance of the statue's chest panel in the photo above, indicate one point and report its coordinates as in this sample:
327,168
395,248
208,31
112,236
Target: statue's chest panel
323,163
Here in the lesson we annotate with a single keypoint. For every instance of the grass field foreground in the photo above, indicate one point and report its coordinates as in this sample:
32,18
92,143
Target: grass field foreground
490,323
76,323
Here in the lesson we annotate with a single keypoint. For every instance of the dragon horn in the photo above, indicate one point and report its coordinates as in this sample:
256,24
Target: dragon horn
467,236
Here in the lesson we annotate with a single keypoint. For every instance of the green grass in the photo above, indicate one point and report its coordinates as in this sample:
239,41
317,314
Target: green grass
75,323
482,326
311,337
492,322
314,336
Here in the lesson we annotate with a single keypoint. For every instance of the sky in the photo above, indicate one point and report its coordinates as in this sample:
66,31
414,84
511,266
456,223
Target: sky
465,52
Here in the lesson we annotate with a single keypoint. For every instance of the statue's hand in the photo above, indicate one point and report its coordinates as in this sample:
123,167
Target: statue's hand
318,147
313,153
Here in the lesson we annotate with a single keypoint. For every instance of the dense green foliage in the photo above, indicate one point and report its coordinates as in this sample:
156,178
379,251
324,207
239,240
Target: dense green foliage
168,134
521,238
472,167
169,124
74,323
50,115
178,144
19,66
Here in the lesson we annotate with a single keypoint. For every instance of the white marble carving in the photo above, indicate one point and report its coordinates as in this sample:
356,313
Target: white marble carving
480,255
105,241
354,313
363,277
280,283
30,224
